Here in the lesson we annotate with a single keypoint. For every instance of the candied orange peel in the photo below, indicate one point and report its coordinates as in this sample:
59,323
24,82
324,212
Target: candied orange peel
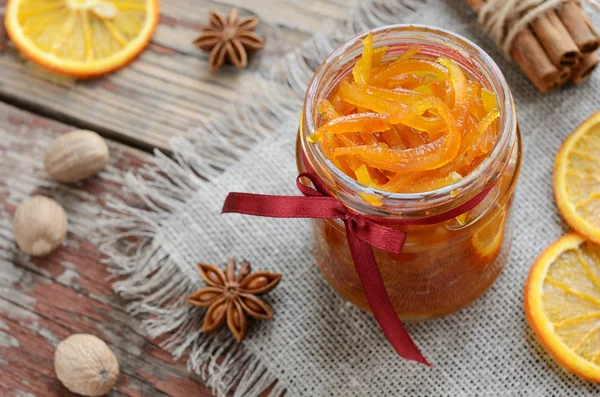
407,123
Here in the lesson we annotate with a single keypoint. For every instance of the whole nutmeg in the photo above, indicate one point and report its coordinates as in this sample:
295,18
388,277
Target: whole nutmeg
75,156
86,365
39,225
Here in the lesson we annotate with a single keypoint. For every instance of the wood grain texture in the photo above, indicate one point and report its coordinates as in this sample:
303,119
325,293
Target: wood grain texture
43,300
161,94
158,96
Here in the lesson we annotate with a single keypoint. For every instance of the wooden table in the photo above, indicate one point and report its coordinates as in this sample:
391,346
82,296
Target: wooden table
160,95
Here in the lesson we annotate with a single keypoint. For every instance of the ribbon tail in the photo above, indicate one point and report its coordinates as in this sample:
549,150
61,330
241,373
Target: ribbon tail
379,301
320,207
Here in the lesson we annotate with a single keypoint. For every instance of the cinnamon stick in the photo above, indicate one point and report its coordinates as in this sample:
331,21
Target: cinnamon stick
528,53
531,57
563,76
583,70
578,24
555,39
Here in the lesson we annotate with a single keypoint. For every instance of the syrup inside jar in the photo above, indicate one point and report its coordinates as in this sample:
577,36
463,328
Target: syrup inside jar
407,123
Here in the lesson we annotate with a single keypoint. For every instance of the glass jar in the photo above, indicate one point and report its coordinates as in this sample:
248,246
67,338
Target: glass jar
445,266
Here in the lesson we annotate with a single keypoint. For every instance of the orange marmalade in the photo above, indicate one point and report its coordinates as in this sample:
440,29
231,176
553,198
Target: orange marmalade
407,122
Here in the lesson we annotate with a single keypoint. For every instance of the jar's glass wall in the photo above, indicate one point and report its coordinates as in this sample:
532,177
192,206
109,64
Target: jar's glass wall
445,266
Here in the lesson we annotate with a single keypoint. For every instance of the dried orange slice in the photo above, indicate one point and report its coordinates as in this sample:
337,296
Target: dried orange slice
577,179
562,304
81,38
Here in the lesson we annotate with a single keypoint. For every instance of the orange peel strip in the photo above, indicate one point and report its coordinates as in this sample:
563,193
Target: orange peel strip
457,78
362,69
403,67
361,122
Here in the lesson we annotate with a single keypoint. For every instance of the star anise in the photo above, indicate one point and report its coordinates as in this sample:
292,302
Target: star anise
233,298
229,39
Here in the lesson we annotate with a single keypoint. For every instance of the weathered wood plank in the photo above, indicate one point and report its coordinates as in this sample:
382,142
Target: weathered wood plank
43,300
309,16
160,94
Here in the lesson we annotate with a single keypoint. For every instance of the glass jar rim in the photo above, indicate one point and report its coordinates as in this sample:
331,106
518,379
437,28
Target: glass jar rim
507,128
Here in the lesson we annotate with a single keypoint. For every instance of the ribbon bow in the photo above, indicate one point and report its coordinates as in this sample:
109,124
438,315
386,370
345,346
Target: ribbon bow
363,233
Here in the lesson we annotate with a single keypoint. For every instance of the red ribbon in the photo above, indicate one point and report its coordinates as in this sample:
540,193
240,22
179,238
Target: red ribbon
363,233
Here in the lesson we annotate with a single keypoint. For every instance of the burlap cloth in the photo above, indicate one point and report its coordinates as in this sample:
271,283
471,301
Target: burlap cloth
319,345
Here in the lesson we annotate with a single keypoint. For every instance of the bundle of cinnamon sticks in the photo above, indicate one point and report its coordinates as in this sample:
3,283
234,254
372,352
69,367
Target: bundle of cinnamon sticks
557,47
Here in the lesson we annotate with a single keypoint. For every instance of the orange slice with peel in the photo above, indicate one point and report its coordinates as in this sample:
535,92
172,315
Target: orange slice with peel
577,179
562,304
81,38
487,240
